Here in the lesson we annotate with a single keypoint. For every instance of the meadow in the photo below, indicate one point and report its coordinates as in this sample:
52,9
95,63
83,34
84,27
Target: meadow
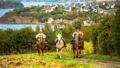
50,60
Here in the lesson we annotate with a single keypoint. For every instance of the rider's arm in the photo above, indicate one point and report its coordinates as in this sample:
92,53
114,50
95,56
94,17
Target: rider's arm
37,36
44,36
73,35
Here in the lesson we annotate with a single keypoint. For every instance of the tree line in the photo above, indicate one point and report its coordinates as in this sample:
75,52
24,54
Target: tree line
5,4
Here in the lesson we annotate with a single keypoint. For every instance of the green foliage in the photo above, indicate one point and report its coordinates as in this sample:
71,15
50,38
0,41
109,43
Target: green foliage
50,39
105,36
10,4
115,31
38,12
49,60
37,28
35,11
73,8
78,23
67,32
16,41
87,33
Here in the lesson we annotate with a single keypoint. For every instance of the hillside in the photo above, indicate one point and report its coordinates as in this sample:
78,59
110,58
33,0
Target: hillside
10,4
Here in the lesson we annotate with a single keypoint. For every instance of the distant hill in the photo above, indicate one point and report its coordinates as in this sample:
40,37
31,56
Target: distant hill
5,4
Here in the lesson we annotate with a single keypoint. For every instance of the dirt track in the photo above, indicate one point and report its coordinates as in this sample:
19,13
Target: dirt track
105,64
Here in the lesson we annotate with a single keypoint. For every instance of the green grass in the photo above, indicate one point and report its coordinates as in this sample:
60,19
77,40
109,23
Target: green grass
50,60
101,57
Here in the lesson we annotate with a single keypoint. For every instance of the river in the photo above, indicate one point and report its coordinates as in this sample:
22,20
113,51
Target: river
19,26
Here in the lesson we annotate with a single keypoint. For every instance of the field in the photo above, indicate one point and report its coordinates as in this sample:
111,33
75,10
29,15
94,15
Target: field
50,60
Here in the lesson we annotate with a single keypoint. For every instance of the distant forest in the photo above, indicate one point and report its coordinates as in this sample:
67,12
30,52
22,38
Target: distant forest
5,4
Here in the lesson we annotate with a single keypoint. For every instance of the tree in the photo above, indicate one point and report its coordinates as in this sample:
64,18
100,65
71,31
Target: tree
50,36
78,23
37,27
67,32
116,31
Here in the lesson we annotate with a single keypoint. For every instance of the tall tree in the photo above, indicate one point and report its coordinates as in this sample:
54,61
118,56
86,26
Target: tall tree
116,30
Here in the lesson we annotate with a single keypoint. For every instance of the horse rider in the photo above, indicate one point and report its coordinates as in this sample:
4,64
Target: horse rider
78,30
59,36
41,34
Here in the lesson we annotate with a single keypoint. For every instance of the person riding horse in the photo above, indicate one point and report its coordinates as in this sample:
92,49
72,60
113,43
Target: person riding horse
77,42
60,43
74,35
59,36
40,35
40,42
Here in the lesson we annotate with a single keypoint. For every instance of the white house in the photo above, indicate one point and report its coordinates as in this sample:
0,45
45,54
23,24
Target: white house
87,23
67,7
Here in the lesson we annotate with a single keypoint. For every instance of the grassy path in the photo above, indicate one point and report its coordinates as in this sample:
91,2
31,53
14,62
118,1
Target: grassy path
50,60
104,63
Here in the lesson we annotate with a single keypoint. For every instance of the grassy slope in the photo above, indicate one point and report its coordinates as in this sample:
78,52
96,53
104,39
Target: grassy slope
50,60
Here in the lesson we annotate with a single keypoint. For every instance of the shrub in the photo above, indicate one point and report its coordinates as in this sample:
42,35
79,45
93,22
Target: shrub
16,41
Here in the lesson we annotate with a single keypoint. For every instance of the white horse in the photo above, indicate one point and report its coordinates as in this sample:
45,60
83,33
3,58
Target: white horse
59,46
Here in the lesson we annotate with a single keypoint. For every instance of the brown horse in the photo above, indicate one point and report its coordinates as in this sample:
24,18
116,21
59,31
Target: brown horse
40,44
77,48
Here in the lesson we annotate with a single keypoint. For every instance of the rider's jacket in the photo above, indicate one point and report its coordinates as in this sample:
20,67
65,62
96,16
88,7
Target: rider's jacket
75,33
40,35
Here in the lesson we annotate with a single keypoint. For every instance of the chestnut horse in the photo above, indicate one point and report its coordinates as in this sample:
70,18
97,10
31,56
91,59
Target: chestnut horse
77,48
40,45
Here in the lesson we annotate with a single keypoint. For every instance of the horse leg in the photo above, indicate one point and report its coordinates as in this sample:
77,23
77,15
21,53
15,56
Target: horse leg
60,53
38,52
77,55
74,52
43,52
57,52
80,51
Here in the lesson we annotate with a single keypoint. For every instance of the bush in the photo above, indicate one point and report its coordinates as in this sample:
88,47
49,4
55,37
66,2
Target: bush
67,32
50,37
16,41
87,30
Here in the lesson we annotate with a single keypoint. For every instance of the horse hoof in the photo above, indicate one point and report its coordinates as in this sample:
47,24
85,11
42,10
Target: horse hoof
76,56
